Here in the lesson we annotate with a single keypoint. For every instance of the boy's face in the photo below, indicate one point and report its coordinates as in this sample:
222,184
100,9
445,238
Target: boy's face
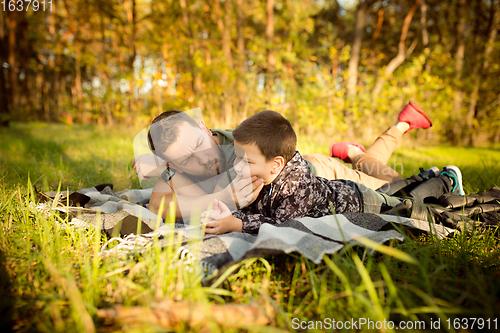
251,162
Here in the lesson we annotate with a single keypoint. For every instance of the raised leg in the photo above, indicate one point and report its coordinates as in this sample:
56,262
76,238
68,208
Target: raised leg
330,168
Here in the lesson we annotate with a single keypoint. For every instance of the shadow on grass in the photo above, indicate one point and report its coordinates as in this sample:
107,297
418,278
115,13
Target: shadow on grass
52,154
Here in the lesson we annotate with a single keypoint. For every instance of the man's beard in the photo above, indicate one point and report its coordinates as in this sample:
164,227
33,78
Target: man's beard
219,167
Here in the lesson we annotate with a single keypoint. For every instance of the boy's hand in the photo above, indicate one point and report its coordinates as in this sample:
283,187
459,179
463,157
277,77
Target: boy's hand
147,165
219,220
244,190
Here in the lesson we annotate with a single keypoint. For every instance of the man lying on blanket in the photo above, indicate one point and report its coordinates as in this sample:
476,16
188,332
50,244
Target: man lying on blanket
265,147
201,161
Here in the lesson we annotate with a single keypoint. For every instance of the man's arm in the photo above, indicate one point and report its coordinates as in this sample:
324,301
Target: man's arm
182,185
190,198
147,166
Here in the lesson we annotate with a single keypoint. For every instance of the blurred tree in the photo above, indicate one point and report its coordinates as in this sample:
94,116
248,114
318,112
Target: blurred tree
402,54
480,71
224,27
357,38
425,34
459,65
241,58
132,21
271,61
4,103
362,11
12,19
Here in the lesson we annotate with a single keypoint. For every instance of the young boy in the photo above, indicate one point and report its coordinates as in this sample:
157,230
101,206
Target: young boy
265,147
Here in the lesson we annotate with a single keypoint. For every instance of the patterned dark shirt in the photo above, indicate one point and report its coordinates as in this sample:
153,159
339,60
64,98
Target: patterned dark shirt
295,193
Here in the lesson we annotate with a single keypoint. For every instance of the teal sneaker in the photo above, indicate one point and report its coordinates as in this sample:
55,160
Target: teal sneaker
454,173
429,173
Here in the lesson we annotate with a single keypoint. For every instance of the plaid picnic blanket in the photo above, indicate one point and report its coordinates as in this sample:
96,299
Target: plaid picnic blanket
122,214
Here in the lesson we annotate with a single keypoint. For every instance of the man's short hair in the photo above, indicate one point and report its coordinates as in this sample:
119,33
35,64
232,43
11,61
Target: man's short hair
164,130
271,132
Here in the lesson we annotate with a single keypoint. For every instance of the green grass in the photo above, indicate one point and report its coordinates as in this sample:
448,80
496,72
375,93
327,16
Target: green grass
52,278
73,156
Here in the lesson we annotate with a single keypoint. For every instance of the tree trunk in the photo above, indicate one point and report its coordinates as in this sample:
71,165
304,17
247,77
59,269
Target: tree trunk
51,75
4,103
240,44
402,52
380,21
226,33
425,35
39,94
271,61
12,20
131,15
224,27
338,44
496,135
476,61
78,86
32,99
480,76
46,99
57,93
359,28
77,92
193,48
293,88
459,64
107,102
373,52
226,49
24,51
352,69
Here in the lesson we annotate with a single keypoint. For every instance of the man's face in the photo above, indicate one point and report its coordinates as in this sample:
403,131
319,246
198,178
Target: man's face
196,153
251,162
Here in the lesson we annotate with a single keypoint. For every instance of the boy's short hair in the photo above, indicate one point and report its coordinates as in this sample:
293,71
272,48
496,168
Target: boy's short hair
271,132
164,130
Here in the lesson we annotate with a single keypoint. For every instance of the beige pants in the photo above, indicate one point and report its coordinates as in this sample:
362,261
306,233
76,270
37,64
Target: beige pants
369,168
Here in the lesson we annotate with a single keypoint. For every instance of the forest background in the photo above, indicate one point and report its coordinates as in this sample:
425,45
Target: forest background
349,66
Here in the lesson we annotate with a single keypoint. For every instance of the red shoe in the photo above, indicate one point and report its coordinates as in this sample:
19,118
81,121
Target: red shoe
415,116
341,149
